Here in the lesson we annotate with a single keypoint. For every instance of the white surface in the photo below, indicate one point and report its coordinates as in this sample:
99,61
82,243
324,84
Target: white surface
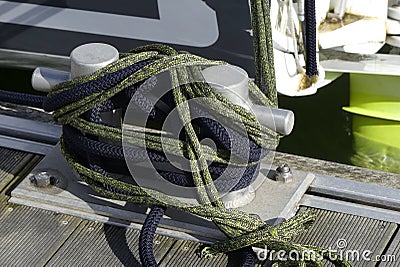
369,8
362,48
354,33
281,22
392,26
288,79
365,36
394,12
393,41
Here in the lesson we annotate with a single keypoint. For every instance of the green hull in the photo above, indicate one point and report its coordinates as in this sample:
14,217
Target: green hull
375,105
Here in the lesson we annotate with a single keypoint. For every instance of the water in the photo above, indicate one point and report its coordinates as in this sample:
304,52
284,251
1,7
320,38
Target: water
16,80
322,129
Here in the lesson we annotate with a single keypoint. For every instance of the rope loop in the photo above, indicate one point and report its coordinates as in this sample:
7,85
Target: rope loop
94,147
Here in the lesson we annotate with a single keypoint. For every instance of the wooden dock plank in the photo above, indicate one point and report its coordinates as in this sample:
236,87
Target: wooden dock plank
96,244
28,236
354,233
11,162
335,169
357,233
186,253
31,237
391,258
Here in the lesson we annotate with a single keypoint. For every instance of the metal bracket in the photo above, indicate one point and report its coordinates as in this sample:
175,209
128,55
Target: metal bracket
28,135
274,201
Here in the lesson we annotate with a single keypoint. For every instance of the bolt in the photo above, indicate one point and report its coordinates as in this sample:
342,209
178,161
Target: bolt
283,174
43,179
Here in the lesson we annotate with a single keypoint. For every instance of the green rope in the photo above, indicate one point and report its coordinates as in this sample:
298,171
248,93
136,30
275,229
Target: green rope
242,229
263,48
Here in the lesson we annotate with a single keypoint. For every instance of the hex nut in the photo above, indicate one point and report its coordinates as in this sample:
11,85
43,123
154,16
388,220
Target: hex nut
43,179
283,174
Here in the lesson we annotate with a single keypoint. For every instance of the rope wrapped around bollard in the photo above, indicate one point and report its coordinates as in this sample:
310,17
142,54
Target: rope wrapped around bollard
94,146
94,149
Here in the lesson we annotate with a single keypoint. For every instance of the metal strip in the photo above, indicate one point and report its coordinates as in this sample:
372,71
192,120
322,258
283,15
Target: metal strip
358,192
381,64
29,129
25,145
30,60
350,208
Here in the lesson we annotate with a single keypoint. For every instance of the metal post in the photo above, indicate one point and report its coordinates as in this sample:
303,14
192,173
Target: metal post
232,82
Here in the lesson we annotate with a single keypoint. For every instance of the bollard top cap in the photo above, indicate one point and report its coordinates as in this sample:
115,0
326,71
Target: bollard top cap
89,58
226,77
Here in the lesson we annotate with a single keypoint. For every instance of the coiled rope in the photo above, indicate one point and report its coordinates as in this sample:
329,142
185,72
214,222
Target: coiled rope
80,114
94,148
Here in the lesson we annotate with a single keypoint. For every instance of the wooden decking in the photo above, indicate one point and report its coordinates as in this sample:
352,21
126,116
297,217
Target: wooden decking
35,237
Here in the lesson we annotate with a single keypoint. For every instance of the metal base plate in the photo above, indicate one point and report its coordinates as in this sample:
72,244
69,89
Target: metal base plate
273,201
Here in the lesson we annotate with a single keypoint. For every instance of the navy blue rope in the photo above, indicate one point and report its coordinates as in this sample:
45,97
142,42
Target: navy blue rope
146,238
89,88
311,38
22,98
248,257
96,151
83,145
102,157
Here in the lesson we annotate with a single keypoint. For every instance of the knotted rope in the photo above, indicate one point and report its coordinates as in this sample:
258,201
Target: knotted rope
78,103
94,148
